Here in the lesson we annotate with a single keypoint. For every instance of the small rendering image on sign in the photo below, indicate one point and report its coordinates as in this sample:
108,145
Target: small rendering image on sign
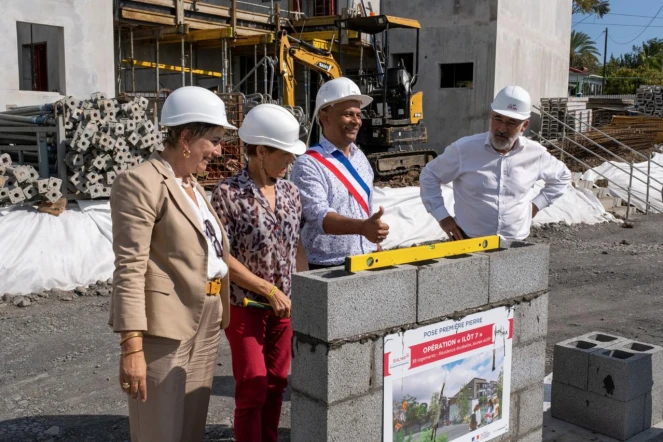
449,381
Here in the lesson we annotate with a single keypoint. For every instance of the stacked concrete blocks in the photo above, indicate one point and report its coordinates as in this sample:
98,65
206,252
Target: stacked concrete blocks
341,319
608,384
22,184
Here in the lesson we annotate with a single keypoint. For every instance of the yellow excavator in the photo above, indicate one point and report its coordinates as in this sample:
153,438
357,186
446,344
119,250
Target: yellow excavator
394,121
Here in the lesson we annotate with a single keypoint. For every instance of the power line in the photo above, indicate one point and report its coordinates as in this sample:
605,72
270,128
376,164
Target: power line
619,24
631,15
641,32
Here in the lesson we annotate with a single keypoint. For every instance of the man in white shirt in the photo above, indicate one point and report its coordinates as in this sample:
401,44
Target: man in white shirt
492,174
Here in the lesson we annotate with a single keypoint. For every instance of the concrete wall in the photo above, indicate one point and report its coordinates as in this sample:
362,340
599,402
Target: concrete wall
509,41
340,321
88,47
533,47
452,32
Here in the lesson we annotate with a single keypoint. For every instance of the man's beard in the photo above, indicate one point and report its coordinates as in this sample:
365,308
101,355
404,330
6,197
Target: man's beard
500,144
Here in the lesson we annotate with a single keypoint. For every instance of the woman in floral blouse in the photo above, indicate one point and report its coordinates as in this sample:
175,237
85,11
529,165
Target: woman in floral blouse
262,214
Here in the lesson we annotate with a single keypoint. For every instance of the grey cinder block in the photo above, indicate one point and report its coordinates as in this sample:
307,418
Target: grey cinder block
333,375
602,414
533,436
528,365
530,320
619,374
377,375
358,419
653,407
450,285
333,304
653,351
518,269
571,357
530,416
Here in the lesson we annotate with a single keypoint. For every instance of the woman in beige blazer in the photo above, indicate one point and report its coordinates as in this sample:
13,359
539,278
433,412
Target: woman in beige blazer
170,286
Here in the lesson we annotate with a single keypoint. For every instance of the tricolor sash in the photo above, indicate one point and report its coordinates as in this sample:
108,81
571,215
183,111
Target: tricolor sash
342,169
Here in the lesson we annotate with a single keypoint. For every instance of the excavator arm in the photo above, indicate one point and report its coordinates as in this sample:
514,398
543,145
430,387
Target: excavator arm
307,55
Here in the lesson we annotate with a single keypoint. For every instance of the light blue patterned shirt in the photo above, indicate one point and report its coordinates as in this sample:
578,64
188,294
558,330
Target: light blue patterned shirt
321,193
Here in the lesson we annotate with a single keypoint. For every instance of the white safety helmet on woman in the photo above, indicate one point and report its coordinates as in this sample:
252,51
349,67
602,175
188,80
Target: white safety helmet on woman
337,90
193,104
513,102
274,126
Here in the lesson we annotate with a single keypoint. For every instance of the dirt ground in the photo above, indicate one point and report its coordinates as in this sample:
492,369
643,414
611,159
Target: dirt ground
58,366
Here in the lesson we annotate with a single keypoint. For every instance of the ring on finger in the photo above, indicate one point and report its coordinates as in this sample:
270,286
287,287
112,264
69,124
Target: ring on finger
125,385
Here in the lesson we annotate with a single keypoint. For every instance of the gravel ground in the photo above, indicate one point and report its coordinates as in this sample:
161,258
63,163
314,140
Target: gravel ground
59,361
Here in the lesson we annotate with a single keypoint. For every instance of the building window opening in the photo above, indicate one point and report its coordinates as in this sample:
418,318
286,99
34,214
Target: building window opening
40,57
456,75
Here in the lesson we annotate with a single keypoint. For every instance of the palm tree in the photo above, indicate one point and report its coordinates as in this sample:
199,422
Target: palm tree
598,7
583,52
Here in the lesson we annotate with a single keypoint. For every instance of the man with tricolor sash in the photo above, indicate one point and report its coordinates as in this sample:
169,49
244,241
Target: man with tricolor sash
335,181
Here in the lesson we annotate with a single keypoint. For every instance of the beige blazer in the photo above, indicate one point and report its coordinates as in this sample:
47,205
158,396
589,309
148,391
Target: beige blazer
160,276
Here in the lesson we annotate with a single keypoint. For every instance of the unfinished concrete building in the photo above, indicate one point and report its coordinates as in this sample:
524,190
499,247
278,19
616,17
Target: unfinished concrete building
54,49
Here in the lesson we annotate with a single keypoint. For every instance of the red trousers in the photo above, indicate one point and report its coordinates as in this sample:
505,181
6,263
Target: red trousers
260,345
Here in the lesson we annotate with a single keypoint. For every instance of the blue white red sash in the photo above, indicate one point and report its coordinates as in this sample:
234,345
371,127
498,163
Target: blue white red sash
342,169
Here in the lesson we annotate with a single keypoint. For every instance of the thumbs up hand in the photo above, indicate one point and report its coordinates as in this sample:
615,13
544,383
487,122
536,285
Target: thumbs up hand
374,229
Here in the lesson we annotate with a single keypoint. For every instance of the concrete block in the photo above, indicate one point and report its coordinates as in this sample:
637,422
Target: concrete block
530,320
571,357
602,414
5,159
619,374
653,407
533,436
358,419
30,192
528,365
530,416
450,285
16,195
377,363
655,352
517,269
334,375
4,194
333,304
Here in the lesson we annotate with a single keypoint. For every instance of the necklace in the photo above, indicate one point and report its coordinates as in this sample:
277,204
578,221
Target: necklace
185,185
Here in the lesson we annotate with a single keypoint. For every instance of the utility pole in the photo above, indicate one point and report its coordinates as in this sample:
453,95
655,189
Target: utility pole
605,53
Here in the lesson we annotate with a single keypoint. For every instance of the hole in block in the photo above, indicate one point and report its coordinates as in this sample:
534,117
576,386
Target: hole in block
618,354
584,345
602,338
639,347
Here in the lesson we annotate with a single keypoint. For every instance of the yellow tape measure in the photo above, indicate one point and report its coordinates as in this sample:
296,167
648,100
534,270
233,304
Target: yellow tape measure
387,258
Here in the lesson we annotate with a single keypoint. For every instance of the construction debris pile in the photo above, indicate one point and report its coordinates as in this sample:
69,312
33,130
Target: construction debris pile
22,183
105,137
649,100
638,133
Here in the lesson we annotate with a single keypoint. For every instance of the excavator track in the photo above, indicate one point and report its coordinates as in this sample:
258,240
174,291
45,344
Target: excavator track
389,164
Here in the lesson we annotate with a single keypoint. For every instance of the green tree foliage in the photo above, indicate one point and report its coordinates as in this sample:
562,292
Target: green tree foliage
598,7
642,66
583,52
434,407
463,404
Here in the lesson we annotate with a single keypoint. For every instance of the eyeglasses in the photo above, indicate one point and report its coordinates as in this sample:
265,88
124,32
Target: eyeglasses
211,234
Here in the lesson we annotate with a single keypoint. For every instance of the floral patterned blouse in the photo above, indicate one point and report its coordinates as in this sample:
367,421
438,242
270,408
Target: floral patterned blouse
265,241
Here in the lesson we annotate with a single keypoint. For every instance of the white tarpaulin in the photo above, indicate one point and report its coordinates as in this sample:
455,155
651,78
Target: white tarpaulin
39,251
409,223
619,174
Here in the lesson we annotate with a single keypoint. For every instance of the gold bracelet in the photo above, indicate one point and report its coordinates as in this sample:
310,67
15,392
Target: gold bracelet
272,292
131,335
131,352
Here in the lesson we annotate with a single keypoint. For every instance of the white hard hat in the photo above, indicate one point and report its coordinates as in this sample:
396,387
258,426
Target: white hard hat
337,90
513,102
193,104
272,125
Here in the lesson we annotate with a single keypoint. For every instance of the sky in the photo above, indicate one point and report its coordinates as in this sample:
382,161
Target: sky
457,374
624,30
